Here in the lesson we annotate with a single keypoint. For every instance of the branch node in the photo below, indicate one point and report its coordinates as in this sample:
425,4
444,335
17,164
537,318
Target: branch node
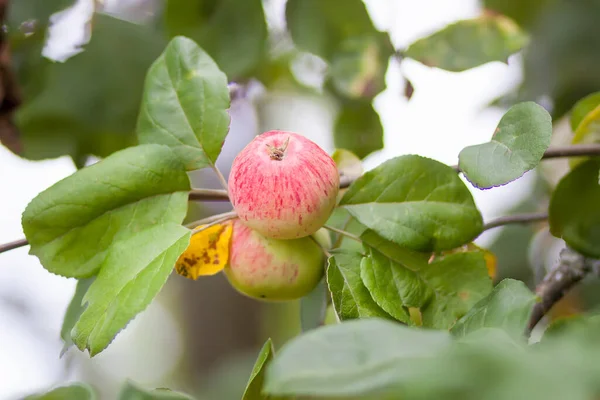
573,267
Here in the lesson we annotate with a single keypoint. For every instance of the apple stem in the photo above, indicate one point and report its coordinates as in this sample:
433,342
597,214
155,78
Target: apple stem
277,153
343,233
323,249
216,222
221,178
210,219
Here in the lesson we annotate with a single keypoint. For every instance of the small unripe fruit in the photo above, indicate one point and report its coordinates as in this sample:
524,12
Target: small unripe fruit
273,269
283,185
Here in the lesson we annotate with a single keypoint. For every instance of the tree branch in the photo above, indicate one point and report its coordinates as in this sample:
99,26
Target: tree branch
572,269
572,150
516,219
13,245
221,195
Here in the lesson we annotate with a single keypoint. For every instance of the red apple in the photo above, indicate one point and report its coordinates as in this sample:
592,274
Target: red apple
283,185
273,269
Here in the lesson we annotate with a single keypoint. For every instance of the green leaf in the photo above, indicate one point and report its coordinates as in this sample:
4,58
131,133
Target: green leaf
518,144
352,358
574,211
416,202
185,104
508,307
72,224
76,391
351,299
257,376
393,286
413,259
366,359
358,129
444,289
359,65
233,32
313,306
131,391
88,104
588,131
73,313
582,108
562,55
135,269
320,27
469,43
459,281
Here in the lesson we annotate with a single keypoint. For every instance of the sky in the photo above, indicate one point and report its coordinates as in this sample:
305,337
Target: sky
447,112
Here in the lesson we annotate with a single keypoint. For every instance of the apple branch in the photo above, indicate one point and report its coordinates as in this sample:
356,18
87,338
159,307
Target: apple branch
516,219
208,195
574,150
13,245
572,269
577,150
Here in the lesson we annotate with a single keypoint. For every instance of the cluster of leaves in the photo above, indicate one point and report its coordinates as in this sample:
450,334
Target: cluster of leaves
87,104
484,356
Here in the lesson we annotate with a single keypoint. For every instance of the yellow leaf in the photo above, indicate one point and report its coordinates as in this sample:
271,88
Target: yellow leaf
207,253
588,131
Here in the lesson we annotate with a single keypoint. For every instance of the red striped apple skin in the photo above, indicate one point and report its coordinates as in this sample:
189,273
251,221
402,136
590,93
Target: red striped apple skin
283,185
273,269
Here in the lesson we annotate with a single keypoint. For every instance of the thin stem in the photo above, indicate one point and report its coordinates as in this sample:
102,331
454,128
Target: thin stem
342,232
323,249
13,245
338,241
210,219
221,177
216,222
516,219
208,195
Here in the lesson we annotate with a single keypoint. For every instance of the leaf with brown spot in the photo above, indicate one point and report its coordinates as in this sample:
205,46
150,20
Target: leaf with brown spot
207,253
491,262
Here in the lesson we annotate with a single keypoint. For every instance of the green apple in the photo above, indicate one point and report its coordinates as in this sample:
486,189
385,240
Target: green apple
274,269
